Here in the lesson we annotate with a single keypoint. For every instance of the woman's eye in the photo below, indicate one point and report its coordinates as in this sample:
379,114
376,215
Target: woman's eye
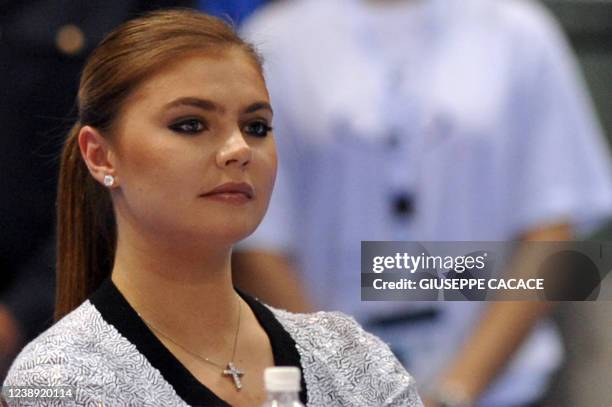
189,126
258,129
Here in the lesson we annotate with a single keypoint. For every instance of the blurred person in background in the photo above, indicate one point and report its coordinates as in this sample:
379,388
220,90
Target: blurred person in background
43,45
433,120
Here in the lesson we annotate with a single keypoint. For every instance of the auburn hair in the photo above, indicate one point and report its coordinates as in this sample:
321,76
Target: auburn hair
86,227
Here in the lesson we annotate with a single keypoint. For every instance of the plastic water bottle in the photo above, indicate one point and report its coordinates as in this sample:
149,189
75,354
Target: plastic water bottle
283,387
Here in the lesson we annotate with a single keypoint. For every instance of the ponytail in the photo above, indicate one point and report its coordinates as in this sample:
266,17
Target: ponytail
85,232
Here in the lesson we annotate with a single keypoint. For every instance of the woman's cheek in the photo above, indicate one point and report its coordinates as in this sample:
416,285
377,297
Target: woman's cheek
270,168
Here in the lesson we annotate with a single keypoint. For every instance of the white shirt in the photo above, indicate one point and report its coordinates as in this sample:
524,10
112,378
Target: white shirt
106,355
474,108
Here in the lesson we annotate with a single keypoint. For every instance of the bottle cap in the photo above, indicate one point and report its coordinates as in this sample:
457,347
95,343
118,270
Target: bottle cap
286,378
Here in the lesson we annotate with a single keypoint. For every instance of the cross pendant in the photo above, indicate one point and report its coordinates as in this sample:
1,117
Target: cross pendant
235,373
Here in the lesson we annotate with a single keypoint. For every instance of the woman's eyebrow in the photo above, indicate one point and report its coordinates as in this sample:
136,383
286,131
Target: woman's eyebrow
203,104
209,105
259,106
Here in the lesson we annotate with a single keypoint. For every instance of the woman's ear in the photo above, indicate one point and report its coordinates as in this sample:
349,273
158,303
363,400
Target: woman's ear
98,155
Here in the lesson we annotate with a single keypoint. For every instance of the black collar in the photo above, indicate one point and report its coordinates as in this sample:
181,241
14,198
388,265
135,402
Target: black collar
118,312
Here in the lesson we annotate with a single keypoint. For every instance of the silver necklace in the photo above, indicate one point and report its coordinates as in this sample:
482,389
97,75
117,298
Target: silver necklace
229,370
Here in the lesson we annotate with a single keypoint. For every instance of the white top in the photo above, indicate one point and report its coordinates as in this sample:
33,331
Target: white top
107,355
474,108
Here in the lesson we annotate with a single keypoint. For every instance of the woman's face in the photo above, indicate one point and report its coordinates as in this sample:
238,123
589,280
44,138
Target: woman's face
195,157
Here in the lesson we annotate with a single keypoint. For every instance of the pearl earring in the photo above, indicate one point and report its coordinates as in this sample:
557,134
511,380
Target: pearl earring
109,180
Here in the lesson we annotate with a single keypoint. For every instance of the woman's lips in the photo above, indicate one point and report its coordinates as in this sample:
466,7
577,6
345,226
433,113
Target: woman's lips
229,197
231,192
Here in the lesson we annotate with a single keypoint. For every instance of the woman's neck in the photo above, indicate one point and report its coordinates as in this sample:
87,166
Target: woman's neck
182,291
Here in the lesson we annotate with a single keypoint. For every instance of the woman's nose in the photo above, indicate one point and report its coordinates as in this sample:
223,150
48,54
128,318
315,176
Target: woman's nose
234,151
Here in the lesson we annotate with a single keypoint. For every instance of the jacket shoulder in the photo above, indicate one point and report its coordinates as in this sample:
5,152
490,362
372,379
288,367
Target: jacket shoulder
66,355
343,362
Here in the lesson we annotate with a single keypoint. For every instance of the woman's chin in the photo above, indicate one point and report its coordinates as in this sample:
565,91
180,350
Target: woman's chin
229,233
